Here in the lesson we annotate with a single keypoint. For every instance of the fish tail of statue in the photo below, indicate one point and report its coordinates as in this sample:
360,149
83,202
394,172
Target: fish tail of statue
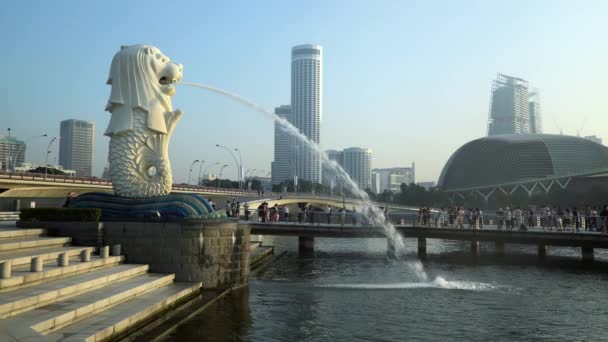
139,163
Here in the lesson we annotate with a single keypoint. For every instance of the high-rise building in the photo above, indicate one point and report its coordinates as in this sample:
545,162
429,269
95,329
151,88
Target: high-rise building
76,146
510,108
282,167
391,178
306,107
358,164
329,175
12,152
536,125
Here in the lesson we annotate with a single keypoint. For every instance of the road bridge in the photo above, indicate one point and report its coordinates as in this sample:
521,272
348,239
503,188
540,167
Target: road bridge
306,233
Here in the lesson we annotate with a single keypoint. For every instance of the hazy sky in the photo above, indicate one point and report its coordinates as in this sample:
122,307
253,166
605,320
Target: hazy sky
411,80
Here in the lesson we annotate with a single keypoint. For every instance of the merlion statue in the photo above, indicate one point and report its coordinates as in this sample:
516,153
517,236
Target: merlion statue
142,80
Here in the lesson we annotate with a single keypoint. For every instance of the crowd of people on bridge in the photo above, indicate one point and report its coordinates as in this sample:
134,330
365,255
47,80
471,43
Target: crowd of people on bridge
548,218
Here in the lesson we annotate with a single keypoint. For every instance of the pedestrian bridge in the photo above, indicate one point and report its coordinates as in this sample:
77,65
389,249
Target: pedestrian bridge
306,233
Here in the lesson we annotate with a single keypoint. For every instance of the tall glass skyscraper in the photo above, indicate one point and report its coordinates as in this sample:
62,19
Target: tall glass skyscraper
282,166
306,107
76,146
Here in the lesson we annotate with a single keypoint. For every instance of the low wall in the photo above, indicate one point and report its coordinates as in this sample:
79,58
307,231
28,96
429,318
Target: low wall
82,233
215,252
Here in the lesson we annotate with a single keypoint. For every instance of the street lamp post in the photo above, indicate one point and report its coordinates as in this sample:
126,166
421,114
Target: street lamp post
200,168
242,181
10,149
46,159
235,161
191,166
24,143
219,176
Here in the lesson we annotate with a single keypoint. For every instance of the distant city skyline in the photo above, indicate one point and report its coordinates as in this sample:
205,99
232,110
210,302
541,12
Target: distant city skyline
413,85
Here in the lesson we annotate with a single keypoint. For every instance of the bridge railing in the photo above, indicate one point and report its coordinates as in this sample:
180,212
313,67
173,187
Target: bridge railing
39,177
582,222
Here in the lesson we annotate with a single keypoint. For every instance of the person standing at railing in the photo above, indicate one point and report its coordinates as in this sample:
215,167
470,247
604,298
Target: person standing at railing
286,213
530,217
300,214
500,218
508,218
604,219
576,219
328,214
246,209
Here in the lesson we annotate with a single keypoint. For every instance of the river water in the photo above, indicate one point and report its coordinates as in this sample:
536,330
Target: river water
351,292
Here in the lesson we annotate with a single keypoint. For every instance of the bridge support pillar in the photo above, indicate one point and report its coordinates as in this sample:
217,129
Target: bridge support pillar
587,253
306,246
500,248
542,251
475,248
421,247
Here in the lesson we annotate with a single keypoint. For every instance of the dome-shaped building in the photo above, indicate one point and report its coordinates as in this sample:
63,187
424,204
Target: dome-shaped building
519,159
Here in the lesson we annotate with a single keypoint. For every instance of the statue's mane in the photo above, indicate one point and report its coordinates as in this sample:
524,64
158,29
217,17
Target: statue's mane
135,85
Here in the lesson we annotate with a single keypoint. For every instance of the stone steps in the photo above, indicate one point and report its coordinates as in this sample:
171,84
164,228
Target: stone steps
94,302
18,257
11,233
46,293
32,243
116,320
9,215
22,277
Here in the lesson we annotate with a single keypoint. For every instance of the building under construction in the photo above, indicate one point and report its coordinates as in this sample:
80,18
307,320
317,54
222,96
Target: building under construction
513,109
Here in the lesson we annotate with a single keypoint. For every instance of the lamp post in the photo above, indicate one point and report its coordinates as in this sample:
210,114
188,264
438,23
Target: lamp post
235,161
200,168
10,149
242,181
48,151
191,166
24,143
219,176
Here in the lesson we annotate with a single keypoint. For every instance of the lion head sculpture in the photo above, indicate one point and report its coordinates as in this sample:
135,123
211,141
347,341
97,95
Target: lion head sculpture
141,76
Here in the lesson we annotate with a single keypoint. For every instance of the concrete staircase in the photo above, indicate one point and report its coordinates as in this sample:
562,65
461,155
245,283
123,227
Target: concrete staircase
52,291
9,215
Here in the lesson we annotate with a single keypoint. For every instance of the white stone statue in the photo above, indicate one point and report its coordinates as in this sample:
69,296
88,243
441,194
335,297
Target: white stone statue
142,80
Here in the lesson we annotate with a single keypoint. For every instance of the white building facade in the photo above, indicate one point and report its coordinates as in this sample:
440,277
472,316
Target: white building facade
306,107
390,179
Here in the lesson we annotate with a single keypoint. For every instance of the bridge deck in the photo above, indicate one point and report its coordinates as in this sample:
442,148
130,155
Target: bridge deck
532,237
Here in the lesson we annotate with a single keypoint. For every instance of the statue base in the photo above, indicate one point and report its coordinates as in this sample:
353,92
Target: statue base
172,206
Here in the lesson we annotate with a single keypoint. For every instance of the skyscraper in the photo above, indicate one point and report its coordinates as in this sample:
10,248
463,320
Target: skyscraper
12,152
536,125
76,146
282,166
510,107
358,164
330,176
306,107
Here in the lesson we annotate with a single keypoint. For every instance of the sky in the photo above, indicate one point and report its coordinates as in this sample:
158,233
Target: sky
409,79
